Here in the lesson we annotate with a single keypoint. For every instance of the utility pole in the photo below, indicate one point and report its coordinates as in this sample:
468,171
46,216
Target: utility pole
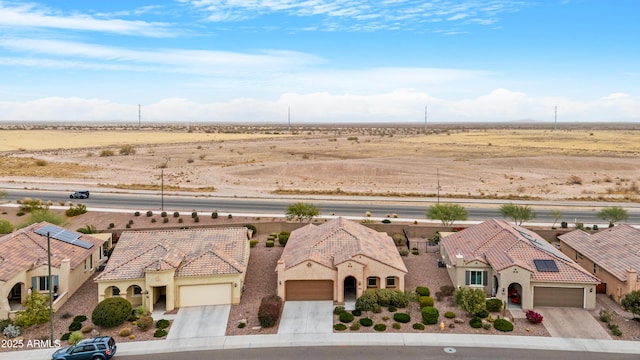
162,189
438,177
555,118
425,118
139,116
289,117
50,278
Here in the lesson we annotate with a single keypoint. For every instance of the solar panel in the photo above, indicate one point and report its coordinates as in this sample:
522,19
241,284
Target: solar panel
546,265
64,235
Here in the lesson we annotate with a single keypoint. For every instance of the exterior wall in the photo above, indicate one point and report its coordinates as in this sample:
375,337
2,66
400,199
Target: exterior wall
616,288
123,286
234,280
589,301
346,269
516,275
160,279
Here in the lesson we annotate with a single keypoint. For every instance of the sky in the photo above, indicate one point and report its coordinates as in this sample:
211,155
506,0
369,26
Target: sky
320,61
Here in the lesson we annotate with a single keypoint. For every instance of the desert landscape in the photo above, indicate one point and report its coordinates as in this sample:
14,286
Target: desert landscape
596,162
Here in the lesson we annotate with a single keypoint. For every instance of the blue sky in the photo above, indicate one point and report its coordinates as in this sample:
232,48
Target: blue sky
331,61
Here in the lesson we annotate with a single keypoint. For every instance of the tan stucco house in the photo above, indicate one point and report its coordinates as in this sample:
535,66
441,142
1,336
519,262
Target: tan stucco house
517,266
336,260
177,268
24,264
613,255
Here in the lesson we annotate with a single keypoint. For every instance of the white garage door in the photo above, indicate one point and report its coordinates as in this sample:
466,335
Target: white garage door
200,295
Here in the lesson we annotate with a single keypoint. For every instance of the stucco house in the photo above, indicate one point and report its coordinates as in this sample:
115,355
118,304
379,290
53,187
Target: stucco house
24,264
613,255
517,266
177,268
336,260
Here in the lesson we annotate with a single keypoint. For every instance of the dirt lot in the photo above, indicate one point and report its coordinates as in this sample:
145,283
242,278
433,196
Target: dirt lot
583,163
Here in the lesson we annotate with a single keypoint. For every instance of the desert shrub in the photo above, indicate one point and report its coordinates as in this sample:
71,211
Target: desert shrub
418,326
605,316
386,221
402,317
124,332
41,162
65,336
196,219
533,317
399,299
425,301
5,227
144,323
564,225
356,312
392,309
494,305
475,322
486,326
449,315
76,210
130,222
447,290
137,213
269,310
194,214
75,337
415,252
253,229
140,311
399,239
439,296
283,237
616,332
111,225
214,215
423,291
230,216
380,327
75,326
340,327
345,317
165,220
377,309
253,243
176,214
128,226
354,326
180,220
367,301
132,336
4,323
160,333
403,252
242,325
111,312
396,325
482,314
385,318
574,180
338,310
106,152
430,315
127,149
503,325
149,213
269,243
86,329
366,322
79,318
35,311
11,331
163,214
153,220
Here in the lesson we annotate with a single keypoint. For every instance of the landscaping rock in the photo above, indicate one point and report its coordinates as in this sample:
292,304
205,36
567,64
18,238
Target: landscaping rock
458,321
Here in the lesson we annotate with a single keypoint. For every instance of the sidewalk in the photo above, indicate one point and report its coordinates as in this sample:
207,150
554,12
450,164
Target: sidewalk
354,339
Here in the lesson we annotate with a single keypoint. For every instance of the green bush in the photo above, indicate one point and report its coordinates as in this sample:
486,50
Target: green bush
345,317
196,219
153,220
111,312
4,323
176,214
367,301
338,310
494,305
269,310
483,314
137,213
76,210
283,237
75,337
366,322
430,315
386,221
475,322
269,243
75,326
355,326
449,315
163,214
503,325
380,327
486,326
253,229
393,298
425,301
80,318
162,324
340,327
423,291
392,309
242,325
253,243
418,326
65,336
194,214
605,316
160,333
402,317
165,220
144,323
396,325
356,312
149,213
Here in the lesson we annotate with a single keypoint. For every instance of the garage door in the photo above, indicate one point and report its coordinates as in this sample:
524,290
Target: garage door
559,297
200,295
309,290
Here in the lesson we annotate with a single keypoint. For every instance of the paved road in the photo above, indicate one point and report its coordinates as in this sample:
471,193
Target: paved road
383,353
404,208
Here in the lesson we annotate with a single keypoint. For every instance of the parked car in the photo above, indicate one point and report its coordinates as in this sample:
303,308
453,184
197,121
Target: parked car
97,348
84,194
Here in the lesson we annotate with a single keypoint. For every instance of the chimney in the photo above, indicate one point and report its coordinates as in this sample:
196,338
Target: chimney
459,259
632,280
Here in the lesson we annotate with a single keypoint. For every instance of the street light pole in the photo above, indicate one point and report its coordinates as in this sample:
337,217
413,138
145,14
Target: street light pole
162,189
438,177
50,278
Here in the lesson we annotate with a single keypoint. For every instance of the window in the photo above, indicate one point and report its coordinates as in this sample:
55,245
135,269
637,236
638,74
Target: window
44,283
91,261
475,278
137,290
102,346
372,282
115,291
101,251
391,282
41,283
594,268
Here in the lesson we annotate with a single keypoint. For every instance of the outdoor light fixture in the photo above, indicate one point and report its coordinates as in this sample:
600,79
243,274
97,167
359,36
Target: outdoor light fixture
590,290
235,284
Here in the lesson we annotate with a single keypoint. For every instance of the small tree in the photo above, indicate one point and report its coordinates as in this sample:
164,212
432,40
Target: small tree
519,213
127,149
471,300
301,211
447,213
5,227
36,311
557,215
613,214
631,302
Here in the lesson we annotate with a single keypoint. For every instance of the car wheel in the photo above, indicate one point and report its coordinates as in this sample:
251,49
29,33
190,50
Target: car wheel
96,357
70,196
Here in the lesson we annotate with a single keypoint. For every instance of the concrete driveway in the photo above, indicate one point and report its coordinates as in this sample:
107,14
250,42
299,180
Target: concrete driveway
200,321
572,323
306,317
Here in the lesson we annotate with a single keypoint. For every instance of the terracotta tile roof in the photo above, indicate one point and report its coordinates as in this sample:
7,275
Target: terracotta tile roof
336,241
192,252
501,245
24,249
614,249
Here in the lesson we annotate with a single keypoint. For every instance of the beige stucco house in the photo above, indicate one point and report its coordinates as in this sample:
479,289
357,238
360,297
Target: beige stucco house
517,266
613,255
177,268
24,264
336,260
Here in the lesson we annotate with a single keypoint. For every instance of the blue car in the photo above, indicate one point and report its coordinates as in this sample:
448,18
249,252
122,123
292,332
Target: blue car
97,348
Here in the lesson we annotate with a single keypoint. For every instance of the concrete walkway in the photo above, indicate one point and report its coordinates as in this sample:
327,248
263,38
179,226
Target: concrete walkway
306,317
199,322
572,323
